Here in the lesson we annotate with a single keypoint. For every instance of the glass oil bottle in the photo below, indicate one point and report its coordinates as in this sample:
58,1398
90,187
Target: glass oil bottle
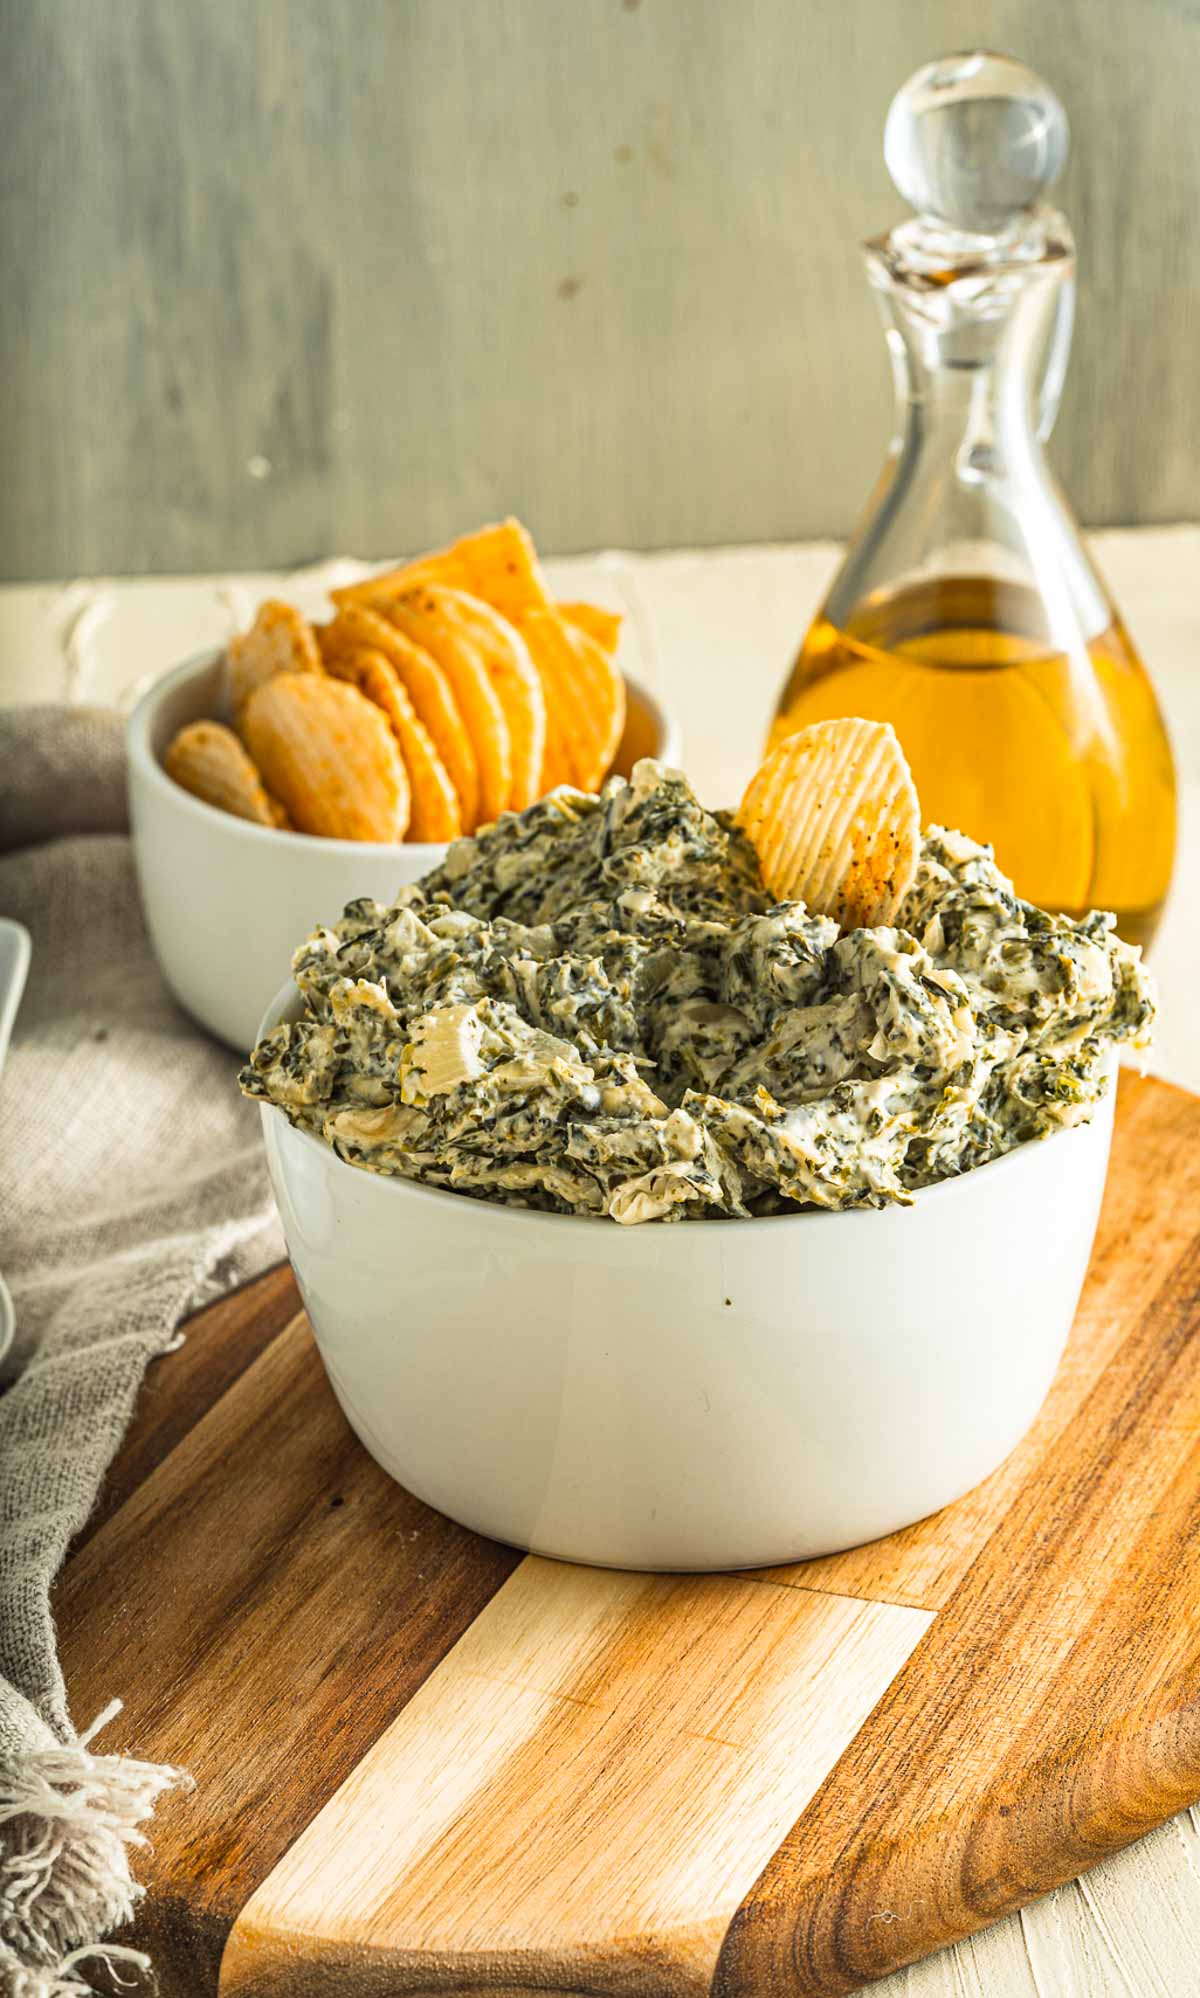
967,612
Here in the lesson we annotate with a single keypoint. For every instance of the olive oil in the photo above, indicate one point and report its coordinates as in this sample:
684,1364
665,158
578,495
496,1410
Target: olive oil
1057,757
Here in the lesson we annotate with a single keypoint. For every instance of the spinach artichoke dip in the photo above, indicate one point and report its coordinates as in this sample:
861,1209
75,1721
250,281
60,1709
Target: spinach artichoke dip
595,1008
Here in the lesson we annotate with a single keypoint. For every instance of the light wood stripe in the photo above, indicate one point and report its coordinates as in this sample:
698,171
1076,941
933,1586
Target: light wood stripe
590,1781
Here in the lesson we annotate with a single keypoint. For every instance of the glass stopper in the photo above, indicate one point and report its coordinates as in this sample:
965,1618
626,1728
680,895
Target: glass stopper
974,141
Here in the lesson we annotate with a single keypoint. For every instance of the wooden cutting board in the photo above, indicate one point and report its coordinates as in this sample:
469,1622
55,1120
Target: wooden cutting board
426,1764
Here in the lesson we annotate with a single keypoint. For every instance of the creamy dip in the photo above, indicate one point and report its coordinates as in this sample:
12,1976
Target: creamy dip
594,1007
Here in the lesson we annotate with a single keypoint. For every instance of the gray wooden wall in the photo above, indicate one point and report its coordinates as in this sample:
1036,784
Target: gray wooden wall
287,276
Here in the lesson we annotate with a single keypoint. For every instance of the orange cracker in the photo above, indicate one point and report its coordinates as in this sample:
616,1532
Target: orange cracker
329,755
207,759
516,681
279,641
435,814
602,625
428,688
585,694
834,818
498,563
556,760
564,718
430,616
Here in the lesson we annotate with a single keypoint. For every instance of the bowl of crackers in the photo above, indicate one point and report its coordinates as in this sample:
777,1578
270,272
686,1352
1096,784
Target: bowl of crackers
315,761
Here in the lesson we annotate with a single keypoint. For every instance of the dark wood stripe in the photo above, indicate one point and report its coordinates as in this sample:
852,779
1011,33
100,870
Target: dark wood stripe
264,1602
219,1343
1049,1716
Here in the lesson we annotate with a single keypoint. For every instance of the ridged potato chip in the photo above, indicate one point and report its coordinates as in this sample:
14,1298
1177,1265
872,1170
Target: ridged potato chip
834,818
585,700
498,563
430,616
207,759
428,688
279,641
435,814
329,754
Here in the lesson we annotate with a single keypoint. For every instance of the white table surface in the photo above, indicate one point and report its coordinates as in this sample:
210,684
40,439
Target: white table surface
712,632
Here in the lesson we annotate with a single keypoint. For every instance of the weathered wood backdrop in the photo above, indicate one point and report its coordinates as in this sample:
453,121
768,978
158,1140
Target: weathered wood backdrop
290,275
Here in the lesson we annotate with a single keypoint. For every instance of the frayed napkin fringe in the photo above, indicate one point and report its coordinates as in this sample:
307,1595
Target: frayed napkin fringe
72,1816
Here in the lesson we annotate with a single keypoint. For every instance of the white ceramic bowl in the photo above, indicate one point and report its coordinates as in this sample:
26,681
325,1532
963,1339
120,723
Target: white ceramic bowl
227,902
705,1394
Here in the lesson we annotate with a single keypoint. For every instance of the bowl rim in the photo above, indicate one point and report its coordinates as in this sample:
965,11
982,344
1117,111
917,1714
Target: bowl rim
290,996
150,771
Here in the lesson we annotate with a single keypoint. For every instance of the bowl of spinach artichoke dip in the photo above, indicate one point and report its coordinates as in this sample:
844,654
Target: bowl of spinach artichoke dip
854,1174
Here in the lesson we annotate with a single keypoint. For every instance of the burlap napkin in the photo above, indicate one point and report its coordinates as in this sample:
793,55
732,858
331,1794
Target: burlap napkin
132,1187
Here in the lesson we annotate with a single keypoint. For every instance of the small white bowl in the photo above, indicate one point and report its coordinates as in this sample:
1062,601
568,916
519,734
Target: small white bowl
228,902
699,1395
